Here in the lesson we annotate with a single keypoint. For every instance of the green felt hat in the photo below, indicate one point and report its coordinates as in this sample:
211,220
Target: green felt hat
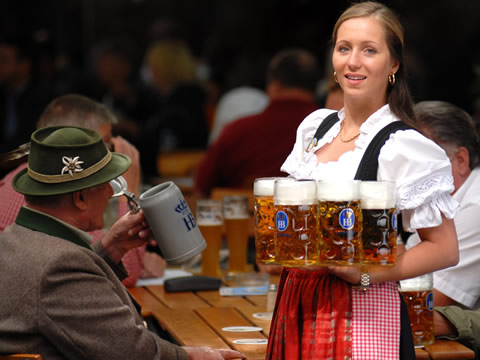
64,159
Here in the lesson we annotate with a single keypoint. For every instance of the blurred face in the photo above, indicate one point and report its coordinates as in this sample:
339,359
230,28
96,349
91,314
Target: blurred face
112,69
97,198
8,63
362,59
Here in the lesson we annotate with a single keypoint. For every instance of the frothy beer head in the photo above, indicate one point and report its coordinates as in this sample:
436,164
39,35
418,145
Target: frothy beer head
342,190
378,194
264,186
289,191
209,212
419,283
235,207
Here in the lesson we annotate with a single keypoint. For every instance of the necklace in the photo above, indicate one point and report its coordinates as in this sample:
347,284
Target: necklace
346,140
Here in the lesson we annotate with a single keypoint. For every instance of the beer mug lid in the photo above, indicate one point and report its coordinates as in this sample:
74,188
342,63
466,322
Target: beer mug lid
296,192
338,190
378,194
264,186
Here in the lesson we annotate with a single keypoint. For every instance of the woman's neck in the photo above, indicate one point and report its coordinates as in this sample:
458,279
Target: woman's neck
359,110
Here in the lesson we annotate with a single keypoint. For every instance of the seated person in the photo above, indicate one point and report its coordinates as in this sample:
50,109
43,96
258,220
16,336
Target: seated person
78,110
453,129
454,323
256,146
62,297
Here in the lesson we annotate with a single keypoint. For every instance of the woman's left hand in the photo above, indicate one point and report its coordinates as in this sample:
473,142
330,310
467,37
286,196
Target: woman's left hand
350,274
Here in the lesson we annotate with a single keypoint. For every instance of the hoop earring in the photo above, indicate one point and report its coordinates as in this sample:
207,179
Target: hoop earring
391,79
335,77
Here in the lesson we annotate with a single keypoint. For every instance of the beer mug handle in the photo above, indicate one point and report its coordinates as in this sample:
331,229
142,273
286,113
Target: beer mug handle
132,202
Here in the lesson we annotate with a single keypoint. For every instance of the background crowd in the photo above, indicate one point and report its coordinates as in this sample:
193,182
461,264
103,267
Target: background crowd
176,74
163,66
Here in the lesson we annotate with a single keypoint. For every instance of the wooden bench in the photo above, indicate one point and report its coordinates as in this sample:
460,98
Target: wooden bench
445,349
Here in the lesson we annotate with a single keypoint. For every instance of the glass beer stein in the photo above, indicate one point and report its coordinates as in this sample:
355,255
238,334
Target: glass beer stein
379,219
295,206
418,295
210,223
236,215
339,222
264,219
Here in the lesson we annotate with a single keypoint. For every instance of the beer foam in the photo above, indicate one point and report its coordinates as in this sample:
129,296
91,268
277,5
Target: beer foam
296,192
342,190
209,222
423,282
378,194
264,186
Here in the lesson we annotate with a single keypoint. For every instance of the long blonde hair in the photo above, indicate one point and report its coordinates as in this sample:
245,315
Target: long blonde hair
171,62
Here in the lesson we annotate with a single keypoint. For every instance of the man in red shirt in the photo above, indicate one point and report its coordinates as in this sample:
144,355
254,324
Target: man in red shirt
256,146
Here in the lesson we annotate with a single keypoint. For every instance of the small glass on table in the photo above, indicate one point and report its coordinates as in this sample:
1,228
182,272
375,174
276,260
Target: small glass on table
236,216
210,223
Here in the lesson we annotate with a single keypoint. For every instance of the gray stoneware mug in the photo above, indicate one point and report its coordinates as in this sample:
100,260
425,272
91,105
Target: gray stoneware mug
173,224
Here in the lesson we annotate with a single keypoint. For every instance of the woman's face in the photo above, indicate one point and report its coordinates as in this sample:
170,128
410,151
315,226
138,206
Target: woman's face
362,59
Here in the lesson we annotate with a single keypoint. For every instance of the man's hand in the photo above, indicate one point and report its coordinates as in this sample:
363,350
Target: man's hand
128,232
206,353
153,265
442,326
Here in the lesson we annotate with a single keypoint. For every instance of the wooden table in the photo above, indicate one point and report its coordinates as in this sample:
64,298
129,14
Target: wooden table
198,319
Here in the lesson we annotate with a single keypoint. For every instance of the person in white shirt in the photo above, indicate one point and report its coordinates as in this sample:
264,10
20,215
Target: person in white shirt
453,129
353,312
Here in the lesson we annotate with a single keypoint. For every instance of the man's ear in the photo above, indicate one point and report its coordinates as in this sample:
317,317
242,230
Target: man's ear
79,200
462,158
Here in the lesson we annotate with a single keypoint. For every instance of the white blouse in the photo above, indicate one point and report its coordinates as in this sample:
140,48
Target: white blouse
420,168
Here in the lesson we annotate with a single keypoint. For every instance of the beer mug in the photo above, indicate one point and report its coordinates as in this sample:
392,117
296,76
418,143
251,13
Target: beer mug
236,216
418,295
173,224
295,207
264,219
210,223
339,222
379,219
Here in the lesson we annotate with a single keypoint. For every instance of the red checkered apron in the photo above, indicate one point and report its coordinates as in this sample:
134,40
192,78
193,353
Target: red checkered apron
318,316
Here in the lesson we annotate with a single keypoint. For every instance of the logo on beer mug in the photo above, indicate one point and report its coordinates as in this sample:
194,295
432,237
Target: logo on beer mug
394,221
430,301
346,219
281,221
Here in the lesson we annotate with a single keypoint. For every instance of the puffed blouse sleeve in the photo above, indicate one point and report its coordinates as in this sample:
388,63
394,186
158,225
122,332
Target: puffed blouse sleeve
423,174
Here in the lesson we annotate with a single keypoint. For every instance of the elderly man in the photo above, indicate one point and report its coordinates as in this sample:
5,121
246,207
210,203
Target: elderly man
453,129
457,289
60,296
78,110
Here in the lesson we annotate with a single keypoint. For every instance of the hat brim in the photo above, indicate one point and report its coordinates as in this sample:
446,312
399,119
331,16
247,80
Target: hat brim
24,184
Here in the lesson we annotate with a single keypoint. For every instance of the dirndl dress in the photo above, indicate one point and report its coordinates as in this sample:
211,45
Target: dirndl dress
319,316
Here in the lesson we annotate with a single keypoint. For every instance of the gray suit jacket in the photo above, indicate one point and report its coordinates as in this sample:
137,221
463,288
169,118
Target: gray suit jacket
61,299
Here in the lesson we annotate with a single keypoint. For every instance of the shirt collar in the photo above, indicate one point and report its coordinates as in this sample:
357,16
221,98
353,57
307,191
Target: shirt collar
45,223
